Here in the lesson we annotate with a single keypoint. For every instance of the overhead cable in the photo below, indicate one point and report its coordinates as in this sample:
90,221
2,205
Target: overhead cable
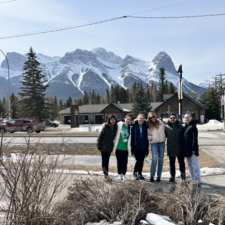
108,20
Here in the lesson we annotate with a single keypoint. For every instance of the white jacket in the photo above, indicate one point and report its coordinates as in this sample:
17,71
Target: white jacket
157,135
117,138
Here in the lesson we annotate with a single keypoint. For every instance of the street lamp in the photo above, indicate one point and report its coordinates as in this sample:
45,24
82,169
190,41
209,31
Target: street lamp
8,78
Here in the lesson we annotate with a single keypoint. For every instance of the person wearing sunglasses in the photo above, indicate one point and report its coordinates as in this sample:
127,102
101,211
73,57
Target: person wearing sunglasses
174,133
157,138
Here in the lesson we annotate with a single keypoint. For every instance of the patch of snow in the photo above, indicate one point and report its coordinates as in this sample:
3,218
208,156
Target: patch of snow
200,221
156,219
213,123
126,110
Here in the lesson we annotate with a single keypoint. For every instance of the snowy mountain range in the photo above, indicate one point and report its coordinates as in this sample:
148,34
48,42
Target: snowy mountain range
83,70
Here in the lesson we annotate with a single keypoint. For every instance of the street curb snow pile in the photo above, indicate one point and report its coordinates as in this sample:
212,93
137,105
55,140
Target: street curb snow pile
214,123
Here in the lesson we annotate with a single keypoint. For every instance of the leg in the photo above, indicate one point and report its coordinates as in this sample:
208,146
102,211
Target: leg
190,166
154,150
196,169
136,164
161,151
172,166
181,164
125,161
119,161
142,158
105,162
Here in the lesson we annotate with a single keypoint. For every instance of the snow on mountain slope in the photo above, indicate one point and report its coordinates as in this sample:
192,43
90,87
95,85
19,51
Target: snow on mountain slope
83,70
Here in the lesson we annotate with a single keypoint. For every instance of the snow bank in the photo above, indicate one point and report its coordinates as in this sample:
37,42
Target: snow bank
156,219
213,123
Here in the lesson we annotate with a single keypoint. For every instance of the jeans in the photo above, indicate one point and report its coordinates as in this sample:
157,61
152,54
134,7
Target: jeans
158,150
194,168
105,162
172,165
139,156
122,160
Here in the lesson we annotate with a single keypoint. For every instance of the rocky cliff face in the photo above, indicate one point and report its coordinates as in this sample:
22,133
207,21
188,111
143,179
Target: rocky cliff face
83,70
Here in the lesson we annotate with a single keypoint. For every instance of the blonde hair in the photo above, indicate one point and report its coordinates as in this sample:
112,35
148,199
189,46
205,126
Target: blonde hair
139,116
150,123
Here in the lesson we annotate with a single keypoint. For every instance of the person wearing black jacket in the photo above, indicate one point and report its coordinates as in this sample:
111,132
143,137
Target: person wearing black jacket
174,132
105,143
139,145
190,148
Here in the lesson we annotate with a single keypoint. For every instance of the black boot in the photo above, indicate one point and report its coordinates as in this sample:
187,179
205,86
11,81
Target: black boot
172,179
183,176
152,179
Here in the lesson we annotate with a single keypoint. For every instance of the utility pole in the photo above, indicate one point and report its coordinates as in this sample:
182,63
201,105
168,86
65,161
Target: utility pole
180,96
222,89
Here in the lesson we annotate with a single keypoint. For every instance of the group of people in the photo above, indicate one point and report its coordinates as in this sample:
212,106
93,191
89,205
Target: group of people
126,139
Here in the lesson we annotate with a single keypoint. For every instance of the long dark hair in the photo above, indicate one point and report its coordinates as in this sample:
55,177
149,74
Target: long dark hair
112,117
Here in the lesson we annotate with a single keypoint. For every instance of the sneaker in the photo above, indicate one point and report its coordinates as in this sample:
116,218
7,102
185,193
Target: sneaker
183,176
158,179
120,177
134,177
172,179
124,177
152,179
140,177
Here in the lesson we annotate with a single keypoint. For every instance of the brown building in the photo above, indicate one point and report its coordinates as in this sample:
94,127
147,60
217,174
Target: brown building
97,114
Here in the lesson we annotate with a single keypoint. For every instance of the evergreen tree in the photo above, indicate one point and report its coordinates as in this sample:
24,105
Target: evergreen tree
154,93
148,95
79,102
33,89
213,103
55,107
172,89
2,109
61,105
166,91
85,98
107,96
141,103
14,106
162,86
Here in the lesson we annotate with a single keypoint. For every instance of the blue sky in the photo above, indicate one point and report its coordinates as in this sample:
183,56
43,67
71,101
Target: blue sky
198,44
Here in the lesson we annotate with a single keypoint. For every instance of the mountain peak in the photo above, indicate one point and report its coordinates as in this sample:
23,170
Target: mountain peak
107,56
162,59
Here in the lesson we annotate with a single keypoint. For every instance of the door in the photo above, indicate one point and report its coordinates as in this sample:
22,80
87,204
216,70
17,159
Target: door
98,119
67,120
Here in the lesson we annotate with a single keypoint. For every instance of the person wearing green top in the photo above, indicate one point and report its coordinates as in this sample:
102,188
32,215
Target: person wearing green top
122,146
139,145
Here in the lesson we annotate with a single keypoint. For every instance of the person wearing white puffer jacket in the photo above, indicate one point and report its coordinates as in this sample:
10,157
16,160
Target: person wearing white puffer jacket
157,138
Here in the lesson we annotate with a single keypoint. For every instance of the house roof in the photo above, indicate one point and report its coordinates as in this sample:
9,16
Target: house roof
191,99
125,107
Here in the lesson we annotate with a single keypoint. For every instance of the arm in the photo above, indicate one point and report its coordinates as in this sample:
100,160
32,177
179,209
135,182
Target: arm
194,139
100,138
149,135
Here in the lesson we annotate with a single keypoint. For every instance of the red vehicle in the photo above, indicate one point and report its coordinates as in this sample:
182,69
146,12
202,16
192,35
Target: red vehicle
22,125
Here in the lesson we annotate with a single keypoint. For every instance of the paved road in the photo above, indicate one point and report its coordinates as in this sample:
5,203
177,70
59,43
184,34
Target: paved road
211,138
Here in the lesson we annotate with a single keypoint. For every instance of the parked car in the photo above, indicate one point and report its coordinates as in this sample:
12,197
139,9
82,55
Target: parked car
22,125
51,124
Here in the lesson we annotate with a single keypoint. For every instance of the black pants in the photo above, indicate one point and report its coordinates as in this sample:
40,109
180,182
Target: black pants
122,160
140,157
105,162
172,165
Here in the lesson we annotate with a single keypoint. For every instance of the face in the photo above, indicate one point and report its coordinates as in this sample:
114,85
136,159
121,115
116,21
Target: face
173,119
188,118
152,117
141,120
128,120
112,121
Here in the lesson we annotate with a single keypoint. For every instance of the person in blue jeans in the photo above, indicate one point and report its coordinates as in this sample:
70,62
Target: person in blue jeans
174,133
157,138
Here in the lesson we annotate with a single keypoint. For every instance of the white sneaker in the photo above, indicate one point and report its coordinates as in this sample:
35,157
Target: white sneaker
120,177
124,177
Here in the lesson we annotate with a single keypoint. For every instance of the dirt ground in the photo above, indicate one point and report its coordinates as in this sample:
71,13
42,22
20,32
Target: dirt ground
90,149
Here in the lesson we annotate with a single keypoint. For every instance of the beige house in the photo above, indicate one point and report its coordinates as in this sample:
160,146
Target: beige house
97,114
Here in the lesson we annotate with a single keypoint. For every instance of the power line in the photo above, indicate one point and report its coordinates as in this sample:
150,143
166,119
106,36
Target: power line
174,17
105,21
8,1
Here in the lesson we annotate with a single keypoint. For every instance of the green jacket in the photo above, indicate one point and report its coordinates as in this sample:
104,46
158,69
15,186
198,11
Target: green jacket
106,138
174,139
